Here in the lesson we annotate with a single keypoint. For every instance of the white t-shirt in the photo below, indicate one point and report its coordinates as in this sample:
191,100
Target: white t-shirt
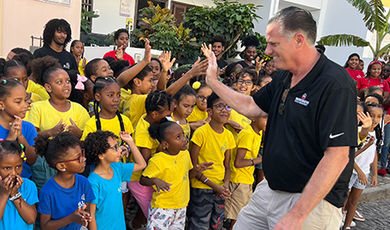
364,159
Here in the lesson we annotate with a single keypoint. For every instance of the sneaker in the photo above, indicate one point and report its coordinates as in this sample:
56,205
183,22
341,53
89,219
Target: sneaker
358,216
382,172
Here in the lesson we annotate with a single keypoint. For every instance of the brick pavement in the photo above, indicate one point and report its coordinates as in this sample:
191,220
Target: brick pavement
377,214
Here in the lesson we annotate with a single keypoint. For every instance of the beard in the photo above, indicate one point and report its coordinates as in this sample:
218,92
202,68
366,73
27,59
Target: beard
58,42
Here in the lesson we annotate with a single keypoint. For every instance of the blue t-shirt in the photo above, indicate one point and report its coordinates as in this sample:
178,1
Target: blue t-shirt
11,217
109,206
60,202
29,132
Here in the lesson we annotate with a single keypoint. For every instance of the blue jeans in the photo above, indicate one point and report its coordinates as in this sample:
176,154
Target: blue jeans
385,148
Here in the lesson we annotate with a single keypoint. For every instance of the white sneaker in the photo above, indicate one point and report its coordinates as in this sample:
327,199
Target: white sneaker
358,216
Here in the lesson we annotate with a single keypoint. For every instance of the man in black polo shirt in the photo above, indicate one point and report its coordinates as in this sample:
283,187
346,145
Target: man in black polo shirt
56,35
312,126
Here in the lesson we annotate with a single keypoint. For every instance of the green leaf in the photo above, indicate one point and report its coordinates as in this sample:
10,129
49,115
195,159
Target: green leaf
342,40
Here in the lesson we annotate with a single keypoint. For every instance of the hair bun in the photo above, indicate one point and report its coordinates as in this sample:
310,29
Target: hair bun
196,85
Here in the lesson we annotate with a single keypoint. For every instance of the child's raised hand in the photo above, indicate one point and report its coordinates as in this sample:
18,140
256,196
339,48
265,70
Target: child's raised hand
365,119
125,136
166,62
15,129
6,185
199,67
259,64
204,166
74,129
148,52
161,185
206,50
18,181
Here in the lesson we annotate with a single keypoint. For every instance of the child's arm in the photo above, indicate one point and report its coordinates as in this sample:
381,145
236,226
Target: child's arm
92,225
160,184
237,127
374,167
79,216
240,162
26,211
362,177
59,128
138,158
197,69
195,125
226,162
126,76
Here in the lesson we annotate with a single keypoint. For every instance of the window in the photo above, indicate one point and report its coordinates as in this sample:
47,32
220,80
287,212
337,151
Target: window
179,9
88,6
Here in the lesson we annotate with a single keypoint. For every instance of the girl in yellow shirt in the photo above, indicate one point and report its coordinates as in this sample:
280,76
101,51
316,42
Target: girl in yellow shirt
199,115
168,172
184,102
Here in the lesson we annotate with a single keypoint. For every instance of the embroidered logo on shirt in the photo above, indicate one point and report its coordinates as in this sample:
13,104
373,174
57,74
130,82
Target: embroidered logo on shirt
81,203
224,147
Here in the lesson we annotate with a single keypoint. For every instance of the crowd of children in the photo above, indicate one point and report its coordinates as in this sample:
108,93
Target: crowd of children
79,145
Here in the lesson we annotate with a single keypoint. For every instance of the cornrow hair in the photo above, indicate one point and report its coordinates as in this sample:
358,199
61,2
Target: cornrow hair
100,84
184,91
10,147
11,64
6,85
156,100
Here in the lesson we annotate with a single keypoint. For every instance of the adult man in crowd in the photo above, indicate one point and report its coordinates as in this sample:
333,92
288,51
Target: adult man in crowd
311,108
56,35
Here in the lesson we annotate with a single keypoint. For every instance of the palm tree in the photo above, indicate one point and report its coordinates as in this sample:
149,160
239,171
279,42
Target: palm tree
376,20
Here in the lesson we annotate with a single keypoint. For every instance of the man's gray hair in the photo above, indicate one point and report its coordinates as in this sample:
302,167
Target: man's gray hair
293,19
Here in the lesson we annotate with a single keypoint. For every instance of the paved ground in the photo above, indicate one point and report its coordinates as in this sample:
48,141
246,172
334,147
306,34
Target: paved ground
377,214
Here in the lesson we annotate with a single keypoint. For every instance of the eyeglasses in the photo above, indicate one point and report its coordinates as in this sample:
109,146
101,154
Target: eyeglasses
115,147
203,98
247,82
284,97
79,159
220,107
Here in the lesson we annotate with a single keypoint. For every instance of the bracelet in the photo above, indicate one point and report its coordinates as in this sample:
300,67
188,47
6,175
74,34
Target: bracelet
205,180
253,163
17,196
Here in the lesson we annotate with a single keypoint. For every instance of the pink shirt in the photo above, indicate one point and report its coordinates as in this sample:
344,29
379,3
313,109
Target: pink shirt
125,56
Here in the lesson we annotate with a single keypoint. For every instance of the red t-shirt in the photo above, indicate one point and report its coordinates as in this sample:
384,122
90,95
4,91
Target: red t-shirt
125,56
368,82
355,73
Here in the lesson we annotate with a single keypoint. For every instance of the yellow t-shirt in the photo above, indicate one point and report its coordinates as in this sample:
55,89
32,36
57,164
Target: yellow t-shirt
38,89
240,119
134,107
44,116
186,128
250,140
35,97
213,146
108,125
174,171
197,115
142,139
125,95
81,69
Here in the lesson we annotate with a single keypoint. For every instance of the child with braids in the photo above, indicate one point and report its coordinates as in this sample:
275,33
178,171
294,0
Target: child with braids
102,149
158,105
18,195
65,198
168,171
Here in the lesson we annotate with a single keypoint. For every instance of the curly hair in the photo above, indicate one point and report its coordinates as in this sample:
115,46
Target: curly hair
9,147
56,25
156,100
97,143
54,150
43,67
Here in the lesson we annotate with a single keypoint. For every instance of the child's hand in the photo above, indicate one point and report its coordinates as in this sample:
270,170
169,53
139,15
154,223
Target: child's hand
161,185
119,52
166,62
362,177
59,128
206,50
199,67
148,53
259,64
6,185
223,192
15,129
18,181
204,166
365,119
374,181
81,217
237,127
74,129
125,136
